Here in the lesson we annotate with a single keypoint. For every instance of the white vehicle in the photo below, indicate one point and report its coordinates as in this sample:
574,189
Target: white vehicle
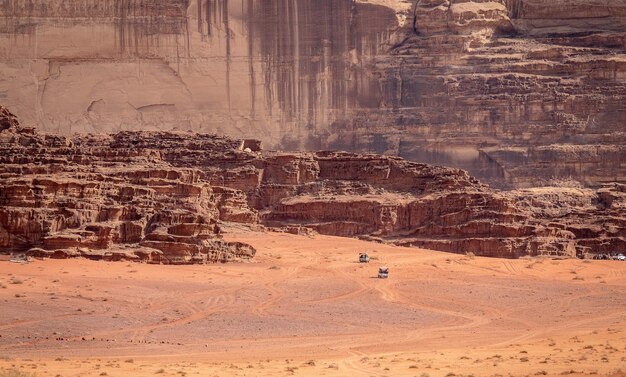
20,258
383,273
364,258
620,257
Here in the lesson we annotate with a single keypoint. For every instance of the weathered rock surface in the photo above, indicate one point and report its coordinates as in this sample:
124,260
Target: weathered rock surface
161,197
235,67
112,198
516,91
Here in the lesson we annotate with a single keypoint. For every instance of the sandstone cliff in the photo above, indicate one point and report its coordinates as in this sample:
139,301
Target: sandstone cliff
162,197
516,91
106,198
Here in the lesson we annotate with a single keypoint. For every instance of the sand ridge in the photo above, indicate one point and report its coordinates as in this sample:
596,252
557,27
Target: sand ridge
304,306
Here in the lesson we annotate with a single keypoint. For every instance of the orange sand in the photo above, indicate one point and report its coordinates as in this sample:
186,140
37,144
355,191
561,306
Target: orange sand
304,307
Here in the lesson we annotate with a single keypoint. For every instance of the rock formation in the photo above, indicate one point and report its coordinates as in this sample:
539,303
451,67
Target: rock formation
518,92
112,198
228,66
162,197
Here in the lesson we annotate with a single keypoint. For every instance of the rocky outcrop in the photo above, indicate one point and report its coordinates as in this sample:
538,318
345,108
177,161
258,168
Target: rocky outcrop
518,92
536,17
111,198
462,17
7,120
163,197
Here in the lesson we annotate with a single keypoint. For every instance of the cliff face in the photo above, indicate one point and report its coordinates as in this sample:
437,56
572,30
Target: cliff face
274,69
101,197
516,91
536,17
163,197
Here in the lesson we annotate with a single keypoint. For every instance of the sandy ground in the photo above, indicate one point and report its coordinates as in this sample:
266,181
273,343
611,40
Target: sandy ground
304,307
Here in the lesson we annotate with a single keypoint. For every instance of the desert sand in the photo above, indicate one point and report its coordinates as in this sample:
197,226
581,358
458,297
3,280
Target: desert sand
305,307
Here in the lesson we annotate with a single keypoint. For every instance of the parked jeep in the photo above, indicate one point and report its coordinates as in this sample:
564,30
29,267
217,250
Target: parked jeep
383,273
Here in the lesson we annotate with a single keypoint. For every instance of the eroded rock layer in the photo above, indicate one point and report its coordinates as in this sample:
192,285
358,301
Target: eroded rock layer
162,196
110,198
518,92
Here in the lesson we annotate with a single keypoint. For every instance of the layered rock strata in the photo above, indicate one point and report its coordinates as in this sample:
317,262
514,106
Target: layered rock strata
162,196
112,198
516,91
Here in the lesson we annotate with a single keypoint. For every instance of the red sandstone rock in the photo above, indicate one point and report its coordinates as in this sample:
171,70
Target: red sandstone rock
515,91
161,197
112,198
